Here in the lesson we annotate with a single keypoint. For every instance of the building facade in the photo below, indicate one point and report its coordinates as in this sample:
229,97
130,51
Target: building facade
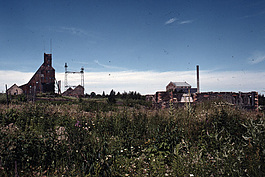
76,92
43,81
183,87
14,90
247,100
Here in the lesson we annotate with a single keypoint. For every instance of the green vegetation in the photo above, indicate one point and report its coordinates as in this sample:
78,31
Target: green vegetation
99,137
3,98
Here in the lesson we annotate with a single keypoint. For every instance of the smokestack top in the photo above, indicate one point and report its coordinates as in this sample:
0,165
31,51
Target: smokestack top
198,79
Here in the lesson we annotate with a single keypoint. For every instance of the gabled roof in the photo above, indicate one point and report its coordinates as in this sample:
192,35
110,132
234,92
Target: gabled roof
13,86
181,84
79,86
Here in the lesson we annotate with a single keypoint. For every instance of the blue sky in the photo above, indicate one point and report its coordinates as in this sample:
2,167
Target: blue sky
119,37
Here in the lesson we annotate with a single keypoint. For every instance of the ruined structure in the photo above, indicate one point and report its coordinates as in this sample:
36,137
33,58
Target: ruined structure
173,97
247,100
43,81
181,92
76,92
14,90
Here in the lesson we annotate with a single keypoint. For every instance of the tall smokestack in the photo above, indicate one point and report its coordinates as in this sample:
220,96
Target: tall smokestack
198,79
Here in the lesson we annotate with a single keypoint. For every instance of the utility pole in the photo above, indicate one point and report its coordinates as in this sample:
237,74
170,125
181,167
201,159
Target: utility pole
7,101
65,76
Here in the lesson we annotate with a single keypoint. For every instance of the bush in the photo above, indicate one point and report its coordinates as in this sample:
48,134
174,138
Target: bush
3,98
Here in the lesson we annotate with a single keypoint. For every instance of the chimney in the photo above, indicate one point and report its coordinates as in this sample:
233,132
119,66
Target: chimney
198,79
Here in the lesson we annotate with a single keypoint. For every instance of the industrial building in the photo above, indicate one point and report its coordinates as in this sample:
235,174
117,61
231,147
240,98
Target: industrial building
182,87
14,90
43,81
182,92
76,92
247,100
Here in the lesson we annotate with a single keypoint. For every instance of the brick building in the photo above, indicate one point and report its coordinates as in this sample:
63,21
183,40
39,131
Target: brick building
76,92
43,81
247,100
183,87
14,90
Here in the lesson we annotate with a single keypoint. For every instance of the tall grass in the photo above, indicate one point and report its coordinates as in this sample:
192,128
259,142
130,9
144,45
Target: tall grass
98,139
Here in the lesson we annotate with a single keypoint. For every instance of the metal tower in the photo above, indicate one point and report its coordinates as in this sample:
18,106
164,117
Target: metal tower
81,72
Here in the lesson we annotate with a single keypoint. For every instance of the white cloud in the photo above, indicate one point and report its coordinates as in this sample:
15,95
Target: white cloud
13,77
148,82
185,22
256,58
172,20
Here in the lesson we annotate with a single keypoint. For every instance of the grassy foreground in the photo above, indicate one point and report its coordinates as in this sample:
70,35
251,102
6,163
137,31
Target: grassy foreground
89,138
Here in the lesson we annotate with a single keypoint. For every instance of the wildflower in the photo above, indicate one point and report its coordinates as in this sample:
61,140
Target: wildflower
77,124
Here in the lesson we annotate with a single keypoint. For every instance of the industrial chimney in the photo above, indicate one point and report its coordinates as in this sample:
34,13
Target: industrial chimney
198,79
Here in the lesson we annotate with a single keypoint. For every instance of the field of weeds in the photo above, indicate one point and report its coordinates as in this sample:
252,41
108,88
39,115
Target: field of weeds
90,138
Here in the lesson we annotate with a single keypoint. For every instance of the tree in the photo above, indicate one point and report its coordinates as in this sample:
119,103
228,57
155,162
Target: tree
93,95
111,98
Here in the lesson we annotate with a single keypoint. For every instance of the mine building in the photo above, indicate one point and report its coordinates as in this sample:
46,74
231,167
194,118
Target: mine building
181,92
43,81
76,92
182,87
14,90
248,100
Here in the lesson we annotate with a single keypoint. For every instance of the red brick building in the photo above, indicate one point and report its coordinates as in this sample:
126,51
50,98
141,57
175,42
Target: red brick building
43,81
76,92
180,87
14,90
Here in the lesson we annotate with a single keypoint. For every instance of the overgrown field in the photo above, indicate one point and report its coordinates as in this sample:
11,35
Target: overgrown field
90,138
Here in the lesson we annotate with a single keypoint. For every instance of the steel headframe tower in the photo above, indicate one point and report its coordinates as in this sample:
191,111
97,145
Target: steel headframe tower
66,74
